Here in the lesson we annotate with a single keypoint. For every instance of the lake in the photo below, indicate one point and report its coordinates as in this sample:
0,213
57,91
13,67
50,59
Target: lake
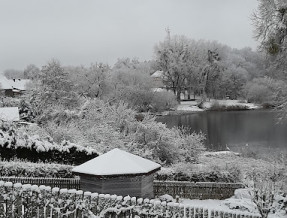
235,129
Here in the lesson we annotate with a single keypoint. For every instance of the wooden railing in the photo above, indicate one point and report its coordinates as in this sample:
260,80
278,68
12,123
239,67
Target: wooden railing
198,190
190,190
69,183
17,200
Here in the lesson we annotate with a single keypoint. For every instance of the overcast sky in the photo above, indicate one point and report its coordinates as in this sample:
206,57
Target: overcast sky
84,31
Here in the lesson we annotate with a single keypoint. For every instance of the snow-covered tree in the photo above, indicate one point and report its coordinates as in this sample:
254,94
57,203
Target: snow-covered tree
173,57
31,72
270,22
130,81
89,81
53,88
264,186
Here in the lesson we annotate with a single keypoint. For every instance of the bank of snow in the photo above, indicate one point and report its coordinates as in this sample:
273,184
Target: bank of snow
192,106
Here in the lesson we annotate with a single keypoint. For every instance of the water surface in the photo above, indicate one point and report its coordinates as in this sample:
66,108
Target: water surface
233,129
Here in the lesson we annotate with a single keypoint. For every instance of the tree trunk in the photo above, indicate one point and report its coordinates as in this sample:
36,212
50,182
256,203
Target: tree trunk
188,93
178,95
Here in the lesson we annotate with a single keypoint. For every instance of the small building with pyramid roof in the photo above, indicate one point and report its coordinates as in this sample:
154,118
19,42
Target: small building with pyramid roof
118,172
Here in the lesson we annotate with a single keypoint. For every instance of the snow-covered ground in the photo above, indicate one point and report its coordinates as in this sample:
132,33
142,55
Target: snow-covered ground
188,106
192,106
240,202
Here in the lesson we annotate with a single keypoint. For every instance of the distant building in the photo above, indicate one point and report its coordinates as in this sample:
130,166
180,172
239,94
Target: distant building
118,172
13,87
158,84
9,114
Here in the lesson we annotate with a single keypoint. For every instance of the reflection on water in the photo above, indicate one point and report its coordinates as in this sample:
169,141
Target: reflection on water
234,128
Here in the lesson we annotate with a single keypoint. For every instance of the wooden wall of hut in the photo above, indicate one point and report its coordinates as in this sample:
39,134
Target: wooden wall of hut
138,186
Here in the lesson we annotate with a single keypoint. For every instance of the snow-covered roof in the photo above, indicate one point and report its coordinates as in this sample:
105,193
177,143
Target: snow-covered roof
4,83
158,73
19,83
117,162
9,114
13,84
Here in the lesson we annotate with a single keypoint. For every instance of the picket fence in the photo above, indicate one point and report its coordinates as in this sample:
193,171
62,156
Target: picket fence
32,201
198,190
69,183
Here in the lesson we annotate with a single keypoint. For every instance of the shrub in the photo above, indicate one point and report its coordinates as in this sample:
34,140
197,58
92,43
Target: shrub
16,143
215,106
191,173
27,169
163,101
263,90
104,126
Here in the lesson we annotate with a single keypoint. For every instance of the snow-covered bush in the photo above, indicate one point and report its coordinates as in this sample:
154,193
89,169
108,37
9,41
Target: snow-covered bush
104,126
263,90
17,143
199,173
163,101
264,187
27,169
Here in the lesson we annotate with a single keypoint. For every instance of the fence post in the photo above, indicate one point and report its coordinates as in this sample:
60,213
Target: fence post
87,203
79,203
205,213
133,203
18,200
26,200
34,200
71,203
41,202
2,190
8,198
94,203
54,202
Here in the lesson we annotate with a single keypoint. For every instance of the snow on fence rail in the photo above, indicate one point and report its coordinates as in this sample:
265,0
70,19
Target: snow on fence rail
17,200
69,183
198,190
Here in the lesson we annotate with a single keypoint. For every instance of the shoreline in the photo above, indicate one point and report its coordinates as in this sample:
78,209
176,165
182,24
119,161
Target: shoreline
191,107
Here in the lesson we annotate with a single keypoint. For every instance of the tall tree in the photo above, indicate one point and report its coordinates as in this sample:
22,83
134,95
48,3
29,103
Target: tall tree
31,72
89,82
54,88
173,57
270,23
210,74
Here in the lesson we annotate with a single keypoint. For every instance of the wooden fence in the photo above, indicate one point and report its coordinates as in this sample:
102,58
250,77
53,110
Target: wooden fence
17,200
191,190
198,190
69,183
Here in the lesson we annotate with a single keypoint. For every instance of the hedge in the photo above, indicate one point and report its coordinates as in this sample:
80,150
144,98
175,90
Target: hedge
28,169
15,144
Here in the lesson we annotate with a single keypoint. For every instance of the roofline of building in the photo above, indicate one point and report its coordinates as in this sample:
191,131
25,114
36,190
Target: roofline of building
118,175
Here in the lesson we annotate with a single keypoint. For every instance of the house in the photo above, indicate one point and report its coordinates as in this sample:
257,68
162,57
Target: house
9,114
118,172
157,78
13,87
